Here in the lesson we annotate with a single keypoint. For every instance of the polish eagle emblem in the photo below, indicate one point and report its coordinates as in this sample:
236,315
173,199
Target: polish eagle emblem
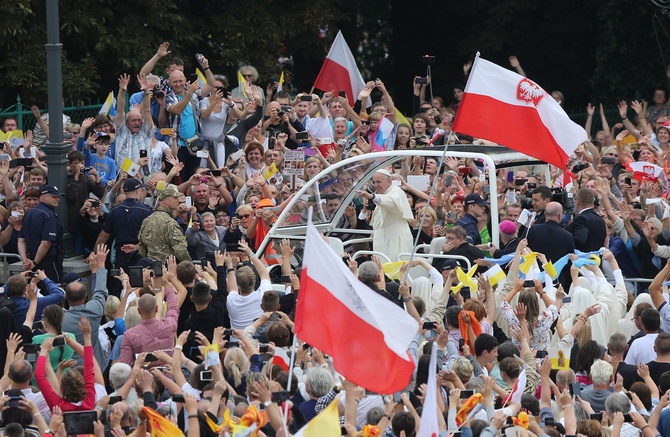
529,92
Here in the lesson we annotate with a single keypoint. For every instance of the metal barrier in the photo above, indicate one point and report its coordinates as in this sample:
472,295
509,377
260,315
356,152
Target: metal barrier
5,264
636,282
26,120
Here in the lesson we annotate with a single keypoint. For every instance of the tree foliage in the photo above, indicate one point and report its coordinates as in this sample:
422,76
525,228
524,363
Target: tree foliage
592,50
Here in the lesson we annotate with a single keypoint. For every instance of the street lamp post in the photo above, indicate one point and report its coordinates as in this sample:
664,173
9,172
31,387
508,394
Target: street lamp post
55,148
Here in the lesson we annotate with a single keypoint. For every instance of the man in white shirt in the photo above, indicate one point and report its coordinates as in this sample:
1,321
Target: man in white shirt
21,373
642,350
244,303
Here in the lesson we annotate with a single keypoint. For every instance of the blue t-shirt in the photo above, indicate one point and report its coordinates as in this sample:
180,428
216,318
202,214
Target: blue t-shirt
187,128
105,166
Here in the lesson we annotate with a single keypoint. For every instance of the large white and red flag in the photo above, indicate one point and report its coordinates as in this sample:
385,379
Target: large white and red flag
339,71
366,334
502,106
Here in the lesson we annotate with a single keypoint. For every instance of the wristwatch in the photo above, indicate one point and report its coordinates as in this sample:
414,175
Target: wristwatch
266,404
406,299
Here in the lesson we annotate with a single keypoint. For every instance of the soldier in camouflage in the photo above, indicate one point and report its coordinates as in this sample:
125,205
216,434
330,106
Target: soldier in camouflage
160,235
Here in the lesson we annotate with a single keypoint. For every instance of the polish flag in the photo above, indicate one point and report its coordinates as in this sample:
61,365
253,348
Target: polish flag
502,106
281,359
339,71
429,425
644,171
515,396
366,334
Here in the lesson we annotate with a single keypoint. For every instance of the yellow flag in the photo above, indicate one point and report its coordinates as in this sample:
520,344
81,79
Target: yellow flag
280,85
550,270
528,262
401,118
241,83
325,424
494,274
160,426
465,280
392,269
13,137
270,171
202,80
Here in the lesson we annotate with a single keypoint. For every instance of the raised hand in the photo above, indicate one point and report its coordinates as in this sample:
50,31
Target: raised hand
124,79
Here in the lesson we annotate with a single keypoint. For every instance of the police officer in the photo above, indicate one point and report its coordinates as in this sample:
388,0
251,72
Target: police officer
41,237
123,225
474,208
160,235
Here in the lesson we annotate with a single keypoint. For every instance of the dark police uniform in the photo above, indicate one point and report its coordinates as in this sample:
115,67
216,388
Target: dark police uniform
123,223
41,224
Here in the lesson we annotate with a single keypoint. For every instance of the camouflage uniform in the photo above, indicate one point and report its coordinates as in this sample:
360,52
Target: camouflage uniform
161,236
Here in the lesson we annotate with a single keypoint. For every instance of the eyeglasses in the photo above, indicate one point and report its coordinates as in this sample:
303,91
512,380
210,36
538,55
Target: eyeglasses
75,133
219,216
243,216
365,122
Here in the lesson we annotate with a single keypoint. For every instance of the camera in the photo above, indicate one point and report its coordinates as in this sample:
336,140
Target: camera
579,167
158,92
421,80
280,113
95,204
565,198
286,108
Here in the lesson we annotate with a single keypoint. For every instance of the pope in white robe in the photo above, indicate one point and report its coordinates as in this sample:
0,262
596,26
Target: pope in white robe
391,232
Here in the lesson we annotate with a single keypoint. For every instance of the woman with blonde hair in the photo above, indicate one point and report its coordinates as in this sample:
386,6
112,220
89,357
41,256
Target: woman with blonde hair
236,367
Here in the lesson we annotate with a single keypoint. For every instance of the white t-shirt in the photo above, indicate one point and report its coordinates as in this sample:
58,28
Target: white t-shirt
243,310
642,350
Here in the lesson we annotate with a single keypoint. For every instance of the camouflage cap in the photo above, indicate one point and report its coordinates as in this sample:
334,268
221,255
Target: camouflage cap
168,191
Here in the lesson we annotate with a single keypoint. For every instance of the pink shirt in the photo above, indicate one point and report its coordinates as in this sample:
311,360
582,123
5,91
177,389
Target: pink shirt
152,335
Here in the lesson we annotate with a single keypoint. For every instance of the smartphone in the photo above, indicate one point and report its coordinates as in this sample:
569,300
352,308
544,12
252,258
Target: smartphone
31,348
227,333
188,201
232,247
510,176
80,422
550,421
575,389
179,399
465,170
272,142
158,268
166,131
215,173
461,343
449,180
203,262
115,272
596,416
343,431
627,418
465,394
237,155
422,80
59,341
305,346
206,375
342,94
301,135
14,402
285,279
263,348
627,181
150,358
541,354
429,325
306,98
453,215
567,299
280,396
608,160
486,189
115,399
232,344
143,153
527,284
396,396
135,276
629,396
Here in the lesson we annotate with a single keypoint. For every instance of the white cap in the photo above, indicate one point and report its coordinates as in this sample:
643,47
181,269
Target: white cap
384,172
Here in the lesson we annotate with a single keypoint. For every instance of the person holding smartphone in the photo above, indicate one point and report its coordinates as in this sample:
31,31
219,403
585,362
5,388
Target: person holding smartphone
52,323
77,390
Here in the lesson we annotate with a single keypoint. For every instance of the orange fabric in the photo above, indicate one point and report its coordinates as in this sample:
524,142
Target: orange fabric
468,405
253,415
371,431
464,326
160,426
522,420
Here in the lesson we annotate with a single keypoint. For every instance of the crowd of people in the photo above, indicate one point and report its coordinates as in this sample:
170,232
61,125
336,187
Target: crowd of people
171,200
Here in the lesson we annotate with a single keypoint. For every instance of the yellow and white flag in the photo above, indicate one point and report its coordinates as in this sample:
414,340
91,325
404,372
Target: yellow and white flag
110,102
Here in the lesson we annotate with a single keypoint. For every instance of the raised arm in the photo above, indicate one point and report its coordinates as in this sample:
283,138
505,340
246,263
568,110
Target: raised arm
655,289
160,53
124,79
145,108
258,264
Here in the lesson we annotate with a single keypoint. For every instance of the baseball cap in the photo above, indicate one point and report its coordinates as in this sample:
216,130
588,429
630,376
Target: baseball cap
102,134
51,190
131,184
69,278
168,191
474,199
449,264
507,227
265,203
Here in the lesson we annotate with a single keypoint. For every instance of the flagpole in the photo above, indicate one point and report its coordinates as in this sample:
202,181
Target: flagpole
290,378
425,210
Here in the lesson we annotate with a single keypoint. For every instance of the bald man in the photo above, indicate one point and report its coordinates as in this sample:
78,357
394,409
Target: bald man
391,233
134,130
151,334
